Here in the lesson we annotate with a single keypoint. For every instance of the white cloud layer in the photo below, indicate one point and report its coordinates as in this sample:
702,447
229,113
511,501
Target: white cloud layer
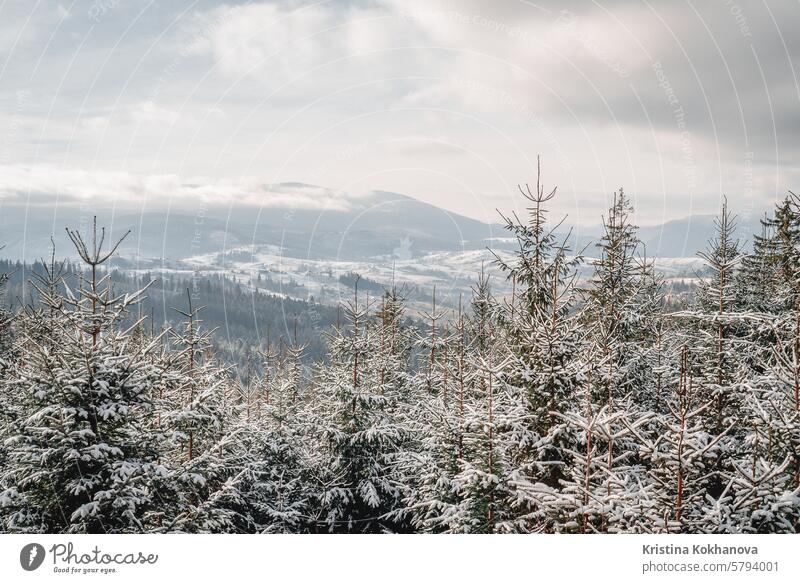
49,185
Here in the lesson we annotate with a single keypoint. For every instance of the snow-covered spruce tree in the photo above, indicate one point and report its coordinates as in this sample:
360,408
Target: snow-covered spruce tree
286,389
431,345
720,333
254,480
396,341
623,318
483,501
758,278
773,403
77,458
616,308
782,253
421,405
197,396
761,493
602,494
276,487
252,477
361,438
719,318
462,376
248,393
762,478
681,456
202,452
656,332
47,282
269,490
548,362
263,383
465,473
768,281
428,461
783,395
450,450
652,339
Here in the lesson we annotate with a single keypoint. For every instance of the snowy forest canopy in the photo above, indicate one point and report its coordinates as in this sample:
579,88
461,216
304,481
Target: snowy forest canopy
570,406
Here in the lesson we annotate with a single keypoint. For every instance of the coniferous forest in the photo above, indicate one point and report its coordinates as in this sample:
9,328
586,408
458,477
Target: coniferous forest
572,405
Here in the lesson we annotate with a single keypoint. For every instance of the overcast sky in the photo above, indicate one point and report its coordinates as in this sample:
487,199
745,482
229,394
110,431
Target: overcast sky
139,102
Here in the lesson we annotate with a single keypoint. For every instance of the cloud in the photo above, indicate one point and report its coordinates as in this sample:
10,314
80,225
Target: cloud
306,50
23,23
150,112
273,41
423,145
580,64
49,185
570,62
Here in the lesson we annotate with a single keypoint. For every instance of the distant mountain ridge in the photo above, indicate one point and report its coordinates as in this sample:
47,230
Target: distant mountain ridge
379,224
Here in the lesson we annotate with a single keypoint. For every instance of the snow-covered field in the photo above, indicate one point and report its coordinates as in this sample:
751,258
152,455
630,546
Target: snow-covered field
266,269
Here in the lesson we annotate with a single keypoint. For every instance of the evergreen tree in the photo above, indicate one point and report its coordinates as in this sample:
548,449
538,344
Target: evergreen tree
77,460
682,455
623,317
758,281
454,468
203,453
362,438
612,313
718,294
602,492
784,250
720,332
548,360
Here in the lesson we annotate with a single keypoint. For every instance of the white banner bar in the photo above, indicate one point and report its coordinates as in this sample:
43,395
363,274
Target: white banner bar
387,558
